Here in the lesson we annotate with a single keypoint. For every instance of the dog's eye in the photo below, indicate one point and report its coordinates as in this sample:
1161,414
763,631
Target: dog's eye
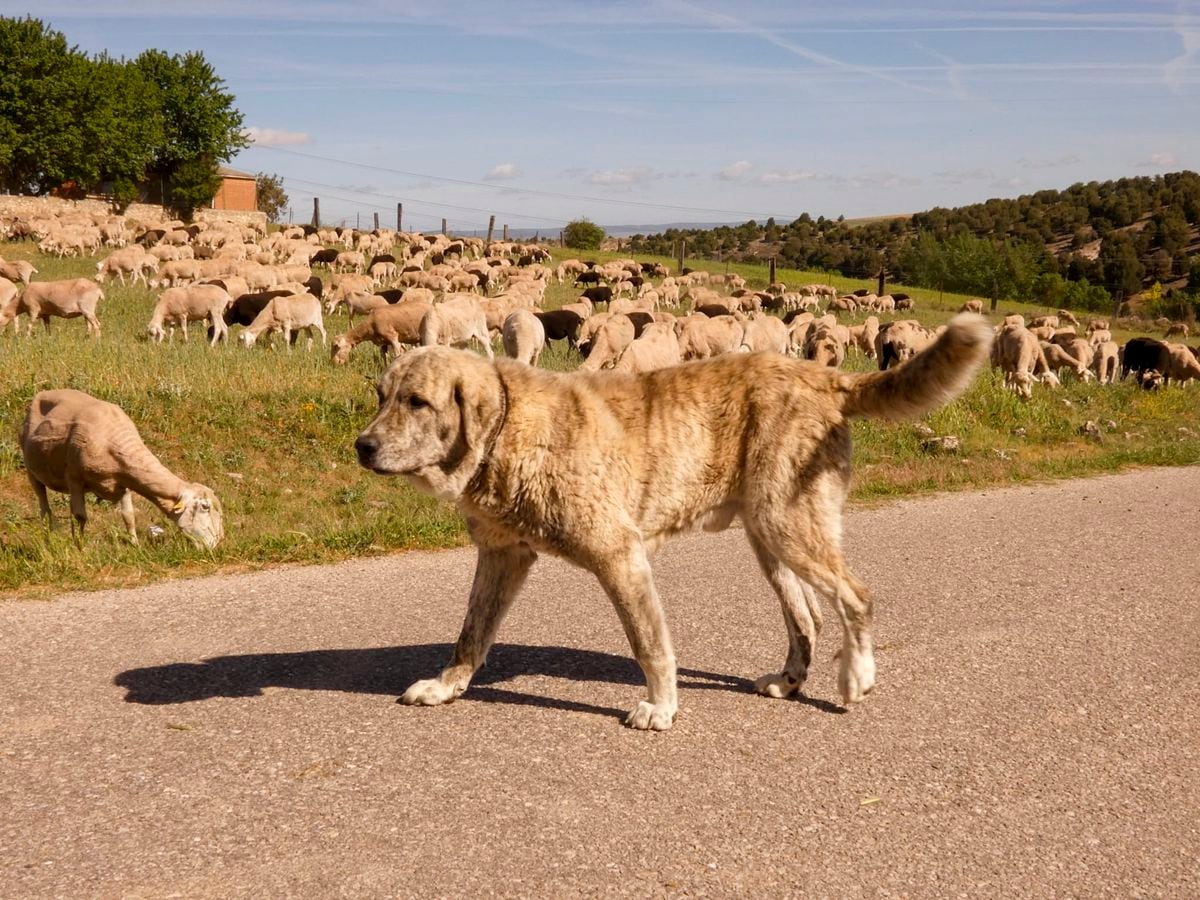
415,402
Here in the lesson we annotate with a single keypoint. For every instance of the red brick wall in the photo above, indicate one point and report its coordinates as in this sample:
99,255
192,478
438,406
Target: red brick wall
236,193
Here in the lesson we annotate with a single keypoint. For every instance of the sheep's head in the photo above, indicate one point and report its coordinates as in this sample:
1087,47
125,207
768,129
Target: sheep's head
247,338
340,350
198,514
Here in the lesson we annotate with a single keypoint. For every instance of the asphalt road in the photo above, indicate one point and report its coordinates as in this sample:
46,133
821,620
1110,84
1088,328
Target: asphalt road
1034,733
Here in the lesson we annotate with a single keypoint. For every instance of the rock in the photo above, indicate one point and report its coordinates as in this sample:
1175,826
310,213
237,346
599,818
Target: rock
1001,453
1090,428
945,444
1019,432
923,430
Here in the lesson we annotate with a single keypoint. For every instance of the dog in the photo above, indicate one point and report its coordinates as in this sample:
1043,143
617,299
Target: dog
601,468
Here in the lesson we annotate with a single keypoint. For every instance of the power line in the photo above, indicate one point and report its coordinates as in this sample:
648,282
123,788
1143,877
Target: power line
513,190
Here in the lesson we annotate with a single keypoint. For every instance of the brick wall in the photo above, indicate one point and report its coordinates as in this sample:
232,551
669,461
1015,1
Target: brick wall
236,194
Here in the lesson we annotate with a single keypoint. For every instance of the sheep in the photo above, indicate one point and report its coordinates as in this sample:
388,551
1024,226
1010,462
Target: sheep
289,313
359,303
823,346
1057,359
1181,364
900,340
974,306
177,271
1018,354
561,324
764,333
190,303
843,304
76,444
132,261
349,261
1105,362
599,294
1143,354
701,337
1178,329
389,328
1098,325
18,270
1099,336
455,323
1044,322
609,342
523,336
657,348
67,299
862,337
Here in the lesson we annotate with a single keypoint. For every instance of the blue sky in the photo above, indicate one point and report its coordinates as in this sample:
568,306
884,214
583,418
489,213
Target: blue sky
679,110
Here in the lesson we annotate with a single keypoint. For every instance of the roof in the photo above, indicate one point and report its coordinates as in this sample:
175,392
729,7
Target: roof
226,172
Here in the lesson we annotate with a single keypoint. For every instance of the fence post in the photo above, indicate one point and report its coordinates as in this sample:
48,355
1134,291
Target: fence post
443,226
682,253
491,227
771,276
316,212
882,282
399,216
506,233
376,221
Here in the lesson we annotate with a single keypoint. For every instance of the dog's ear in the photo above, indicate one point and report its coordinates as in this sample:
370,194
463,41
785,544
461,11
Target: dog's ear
478,395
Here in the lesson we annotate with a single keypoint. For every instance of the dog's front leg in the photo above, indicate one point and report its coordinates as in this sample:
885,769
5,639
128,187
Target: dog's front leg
499,574
629,582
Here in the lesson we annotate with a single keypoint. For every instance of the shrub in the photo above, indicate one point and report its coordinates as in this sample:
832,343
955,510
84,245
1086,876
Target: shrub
582,234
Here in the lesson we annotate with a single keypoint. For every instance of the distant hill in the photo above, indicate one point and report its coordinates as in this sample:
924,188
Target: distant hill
1124,236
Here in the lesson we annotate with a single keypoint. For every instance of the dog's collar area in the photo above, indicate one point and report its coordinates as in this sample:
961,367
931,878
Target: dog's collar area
477,479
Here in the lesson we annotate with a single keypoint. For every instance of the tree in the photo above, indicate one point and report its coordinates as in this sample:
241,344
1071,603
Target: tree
194,183
582,234
272,198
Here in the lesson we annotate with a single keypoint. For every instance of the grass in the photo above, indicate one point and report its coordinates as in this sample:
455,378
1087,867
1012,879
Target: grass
272,433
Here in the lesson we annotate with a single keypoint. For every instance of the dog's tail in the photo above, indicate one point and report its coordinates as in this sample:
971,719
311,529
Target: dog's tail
935,376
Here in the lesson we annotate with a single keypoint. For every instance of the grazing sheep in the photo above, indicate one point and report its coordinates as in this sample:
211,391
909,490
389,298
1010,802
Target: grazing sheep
702,337
455,323
1106,361
764,333
1178,329
862,337
561,324
975,306
1098,325
133,261
74,443
1018,354
1058,358
1065,315
901,340
389,328
190,303
523,337
289,313
19,270
1143,354
824,346
67,299
1181,364
1099,336
609,342
657,348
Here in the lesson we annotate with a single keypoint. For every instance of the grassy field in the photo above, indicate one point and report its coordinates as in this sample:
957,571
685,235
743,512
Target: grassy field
272,432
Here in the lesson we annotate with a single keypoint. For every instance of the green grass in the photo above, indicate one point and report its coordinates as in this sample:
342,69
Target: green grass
272,433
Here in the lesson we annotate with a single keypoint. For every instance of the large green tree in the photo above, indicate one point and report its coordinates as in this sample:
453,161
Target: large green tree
272,199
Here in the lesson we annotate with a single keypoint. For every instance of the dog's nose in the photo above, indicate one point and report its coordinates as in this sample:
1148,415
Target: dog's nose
365,447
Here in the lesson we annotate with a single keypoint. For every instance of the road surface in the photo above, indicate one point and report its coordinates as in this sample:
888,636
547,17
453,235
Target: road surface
1035,731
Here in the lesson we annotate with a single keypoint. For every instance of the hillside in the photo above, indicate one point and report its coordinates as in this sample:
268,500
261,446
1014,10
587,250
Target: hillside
1119,238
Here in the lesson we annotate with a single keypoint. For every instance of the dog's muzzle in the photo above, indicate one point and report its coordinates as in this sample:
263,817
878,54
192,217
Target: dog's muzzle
366,447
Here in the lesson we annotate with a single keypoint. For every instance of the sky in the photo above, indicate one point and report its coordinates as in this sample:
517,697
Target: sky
677,111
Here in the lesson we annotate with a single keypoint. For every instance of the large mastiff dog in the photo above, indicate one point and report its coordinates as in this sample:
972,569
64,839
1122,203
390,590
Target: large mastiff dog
601,468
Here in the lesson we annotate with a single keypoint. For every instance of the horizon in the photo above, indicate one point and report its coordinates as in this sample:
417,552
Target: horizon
672,112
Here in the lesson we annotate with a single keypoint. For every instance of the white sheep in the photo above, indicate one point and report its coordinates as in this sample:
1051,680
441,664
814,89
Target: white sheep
190,303
289,313
74,443
524,336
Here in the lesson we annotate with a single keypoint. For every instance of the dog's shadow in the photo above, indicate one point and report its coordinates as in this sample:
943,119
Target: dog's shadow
390,670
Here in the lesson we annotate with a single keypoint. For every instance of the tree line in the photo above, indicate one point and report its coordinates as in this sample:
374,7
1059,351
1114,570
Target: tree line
74,124
1079,247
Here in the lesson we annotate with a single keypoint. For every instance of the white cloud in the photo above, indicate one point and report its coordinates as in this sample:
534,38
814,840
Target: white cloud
786,176
623,177
1069,160
1013,182
276,137
734,171
1161,160
502,172
960,176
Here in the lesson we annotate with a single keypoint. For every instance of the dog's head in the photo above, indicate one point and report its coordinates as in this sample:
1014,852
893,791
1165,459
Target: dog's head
437,408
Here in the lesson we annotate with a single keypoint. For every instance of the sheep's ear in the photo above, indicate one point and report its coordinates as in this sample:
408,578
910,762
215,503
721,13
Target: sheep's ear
179,506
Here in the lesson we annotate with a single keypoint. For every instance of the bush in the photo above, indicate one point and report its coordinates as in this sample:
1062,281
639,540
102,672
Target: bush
582,234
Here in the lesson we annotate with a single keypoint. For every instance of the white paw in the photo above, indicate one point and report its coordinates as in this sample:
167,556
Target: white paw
776,684
856,677
430,692
648,716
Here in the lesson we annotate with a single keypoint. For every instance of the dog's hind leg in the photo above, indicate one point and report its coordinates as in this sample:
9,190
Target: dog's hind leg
801,615
499,574
629,583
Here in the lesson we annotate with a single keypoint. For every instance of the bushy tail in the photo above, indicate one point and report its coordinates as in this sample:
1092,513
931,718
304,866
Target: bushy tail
935,376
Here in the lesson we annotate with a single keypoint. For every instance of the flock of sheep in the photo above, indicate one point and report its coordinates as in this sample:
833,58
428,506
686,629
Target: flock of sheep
418,290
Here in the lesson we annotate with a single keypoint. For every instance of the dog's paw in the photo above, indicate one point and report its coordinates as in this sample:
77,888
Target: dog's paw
430,692
856,677
777,684
648,716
